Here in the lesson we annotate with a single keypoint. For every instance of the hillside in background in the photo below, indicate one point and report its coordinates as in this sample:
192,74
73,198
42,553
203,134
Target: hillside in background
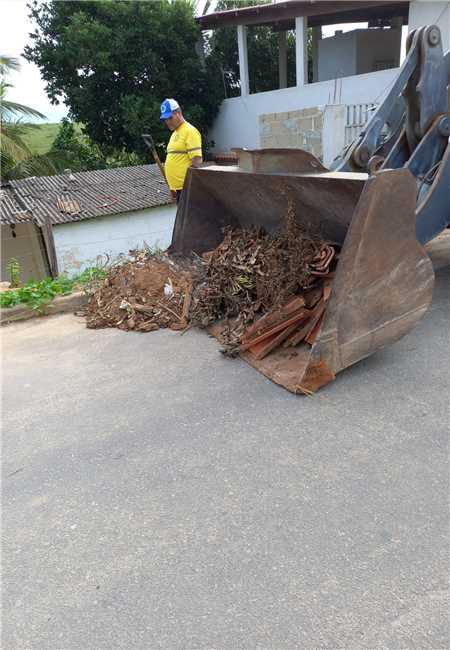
40,138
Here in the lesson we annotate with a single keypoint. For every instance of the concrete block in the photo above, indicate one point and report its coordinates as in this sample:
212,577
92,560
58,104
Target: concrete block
309,112
289,124
318,122
316,150
285,141
304,124
269,143
60,305
313,136
277,128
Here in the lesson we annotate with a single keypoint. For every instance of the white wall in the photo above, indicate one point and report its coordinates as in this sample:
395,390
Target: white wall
337,56
237,124
377,46
426,12
357,52
80,243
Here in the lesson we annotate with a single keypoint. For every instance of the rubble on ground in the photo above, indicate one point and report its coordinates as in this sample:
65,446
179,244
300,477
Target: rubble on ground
143,294
266,291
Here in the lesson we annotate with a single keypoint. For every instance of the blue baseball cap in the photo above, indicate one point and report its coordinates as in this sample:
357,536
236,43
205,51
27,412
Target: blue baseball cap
167,108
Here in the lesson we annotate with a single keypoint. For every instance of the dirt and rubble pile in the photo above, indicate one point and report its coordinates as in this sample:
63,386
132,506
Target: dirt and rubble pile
144,294
266,291
252,273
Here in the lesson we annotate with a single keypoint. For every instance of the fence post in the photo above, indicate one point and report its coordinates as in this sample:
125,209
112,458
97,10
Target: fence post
333,134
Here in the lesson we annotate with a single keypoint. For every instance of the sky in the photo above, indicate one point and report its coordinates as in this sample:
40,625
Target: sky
15,27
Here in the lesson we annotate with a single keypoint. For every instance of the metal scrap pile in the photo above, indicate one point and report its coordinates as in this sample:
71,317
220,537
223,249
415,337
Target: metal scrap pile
252,274
143,294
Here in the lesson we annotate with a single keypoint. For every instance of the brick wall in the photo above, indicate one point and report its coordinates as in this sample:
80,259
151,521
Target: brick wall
300,129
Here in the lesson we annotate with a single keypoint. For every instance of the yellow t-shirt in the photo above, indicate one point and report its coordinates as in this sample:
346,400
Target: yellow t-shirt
185,143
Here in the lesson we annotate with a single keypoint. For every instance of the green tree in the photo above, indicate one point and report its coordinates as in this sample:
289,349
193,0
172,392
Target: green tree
85,155
262,47
112,62
16,159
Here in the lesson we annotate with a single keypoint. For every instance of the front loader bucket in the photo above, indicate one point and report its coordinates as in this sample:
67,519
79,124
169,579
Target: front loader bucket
383,281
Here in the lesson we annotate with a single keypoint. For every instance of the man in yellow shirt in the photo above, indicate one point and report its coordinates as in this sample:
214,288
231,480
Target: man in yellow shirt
184,148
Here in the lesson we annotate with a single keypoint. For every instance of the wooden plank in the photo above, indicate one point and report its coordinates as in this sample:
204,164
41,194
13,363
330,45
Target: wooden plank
187,302
49,241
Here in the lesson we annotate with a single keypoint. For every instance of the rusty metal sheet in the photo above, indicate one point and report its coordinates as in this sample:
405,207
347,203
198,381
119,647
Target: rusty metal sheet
281,161
384,278
215,197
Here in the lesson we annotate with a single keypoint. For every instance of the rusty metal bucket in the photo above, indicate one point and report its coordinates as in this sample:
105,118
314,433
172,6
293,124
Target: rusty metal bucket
384,279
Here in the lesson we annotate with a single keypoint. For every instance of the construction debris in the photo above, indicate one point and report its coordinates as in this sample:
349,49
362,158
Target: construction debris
251,274
266,291
143,294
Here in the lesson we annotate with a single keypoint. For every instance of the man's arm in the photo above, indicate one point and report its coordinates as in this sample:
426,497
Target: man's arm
194,147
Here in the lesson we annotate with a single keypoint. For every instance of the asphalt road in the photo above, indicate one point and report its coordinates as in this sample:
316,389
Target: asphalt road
157,495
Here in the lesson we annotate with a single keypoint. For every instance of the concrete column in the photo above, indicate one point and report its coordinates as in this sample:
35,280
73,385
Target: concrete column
282,60
301,55
333,132
243,60
316,37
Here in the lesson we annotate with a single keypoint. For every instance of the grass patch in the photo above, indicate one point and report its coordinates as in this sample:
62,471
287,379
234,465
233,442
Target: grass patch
37,295
40,138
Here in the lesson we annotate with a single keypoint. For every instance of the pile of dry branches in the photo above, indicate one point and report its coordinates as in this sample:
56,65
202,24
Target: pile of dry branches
250,273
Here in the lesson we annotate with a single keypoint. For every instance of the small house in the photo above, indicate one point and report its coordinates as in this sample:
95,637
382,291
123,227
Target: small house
68,222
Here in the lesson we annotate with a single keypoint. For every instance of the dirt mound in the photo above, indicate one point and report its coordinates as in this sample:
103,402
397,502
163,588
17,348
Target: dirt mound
250,274
143,295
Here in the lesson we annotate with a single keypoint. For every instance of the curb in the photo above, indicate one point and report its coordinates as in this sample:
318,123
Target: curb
60,305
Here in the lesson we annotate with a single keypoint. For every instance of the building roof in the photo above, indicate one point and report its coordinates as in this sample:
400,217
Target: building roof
11,211
281,15
83,195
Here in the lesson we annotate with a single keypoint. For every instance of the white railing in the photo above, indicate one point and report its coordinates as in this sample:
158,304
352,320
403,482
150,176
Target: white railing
356,119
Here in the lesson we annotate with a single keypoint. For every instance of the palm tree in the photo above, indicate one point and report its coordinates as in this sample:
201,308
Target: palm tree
16,159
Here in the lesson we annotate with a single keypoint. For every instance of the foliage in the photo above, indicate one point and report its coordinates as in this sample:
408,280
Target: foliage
16,158
37,295
13,269
8,64
113,62
86,155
